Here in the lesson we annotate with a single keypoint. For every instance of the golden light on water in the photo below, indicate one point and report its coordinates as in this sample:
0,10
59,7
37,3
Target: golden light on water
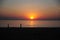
31,23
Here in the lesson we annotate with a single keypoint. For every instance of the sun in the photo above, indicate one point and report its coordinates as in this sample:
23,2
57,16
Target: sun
31,17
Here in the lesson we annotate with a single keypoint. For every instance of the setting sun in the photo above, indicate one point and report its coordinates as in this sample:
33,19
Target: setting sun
31,17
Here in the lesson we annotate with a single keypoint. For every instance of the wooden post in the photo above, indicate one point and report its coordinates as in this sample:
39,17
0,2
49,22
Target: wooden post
8,25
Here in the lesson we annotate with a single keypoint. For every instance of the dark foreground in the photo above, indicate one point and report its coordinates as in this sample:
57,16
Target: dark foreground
30,33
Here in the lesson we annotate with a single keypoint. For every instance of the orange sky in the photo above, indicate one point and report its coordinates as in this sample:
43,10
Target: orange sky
48,13
26,10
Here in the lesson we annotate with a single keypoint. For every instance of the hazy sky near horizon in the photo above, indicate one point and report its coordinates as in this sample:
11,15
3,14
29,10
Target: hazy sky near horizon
27,8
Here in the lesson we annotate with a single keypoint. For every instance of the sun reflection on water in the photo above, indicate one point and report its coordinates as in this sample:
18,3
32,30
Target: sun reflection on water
32,23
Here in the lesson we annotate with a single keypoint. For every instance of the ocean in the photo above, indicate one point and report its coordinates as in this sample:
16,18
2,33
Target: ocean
30,23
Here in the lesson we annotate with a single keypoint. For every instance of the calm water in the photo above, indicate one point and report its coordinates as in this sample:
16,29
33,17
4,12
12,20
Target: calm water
29,23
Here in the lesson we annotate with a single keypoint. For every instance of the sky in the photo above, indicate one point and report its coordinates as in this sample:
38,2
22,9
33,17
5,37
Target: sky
24,9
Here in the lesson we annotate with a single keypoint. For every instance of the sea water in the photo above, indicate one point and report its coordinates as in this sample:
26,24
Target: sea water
30,23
